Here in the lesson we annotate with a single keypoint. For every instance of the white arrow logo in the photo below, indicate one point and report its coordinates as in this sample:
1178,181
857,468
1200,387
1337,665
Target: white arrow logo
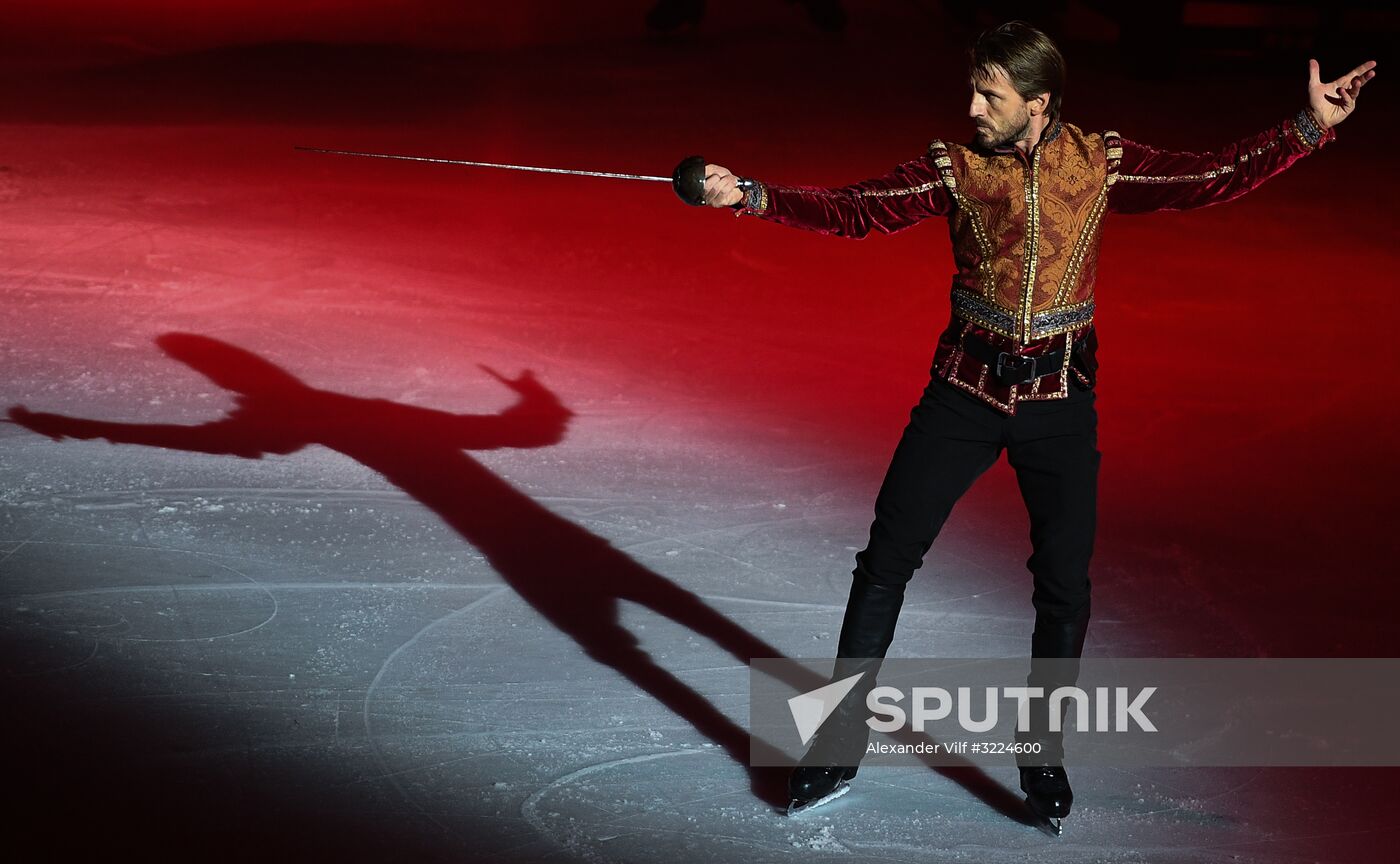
810,710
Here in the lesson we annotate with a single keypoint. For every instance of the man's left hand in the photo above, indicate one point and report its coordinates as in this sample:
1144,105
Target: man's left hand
1333,102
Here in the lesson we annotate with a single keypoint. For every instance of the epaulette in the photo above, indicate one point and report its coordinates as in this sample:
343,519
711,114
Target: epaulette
939,151
1113,152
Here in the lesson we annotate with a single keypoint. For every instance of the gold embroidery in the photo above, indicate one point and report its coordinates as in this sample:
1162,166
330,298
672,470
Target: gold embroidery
1043,235
889,193
1071,183
1032,245
950,370
1040,237
985,277
1297,133
977,391
1191,178
1113,155
1063,373
757,209
1087,235
987,318
1072,177
1071,322
1307,129
942,161
970,307
945,165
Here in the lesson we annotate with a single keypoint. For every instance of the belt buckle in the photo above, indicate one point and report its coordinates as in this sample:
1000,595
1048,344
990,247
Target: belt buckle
1019,364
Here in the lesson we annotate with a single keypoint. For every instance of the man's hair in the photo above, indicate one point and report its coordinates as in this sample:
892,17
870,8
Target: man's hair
1027,56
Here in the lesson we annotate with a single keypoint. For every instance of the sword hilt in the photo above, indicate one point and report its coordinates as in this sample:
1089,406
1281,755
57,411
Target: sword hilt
689,181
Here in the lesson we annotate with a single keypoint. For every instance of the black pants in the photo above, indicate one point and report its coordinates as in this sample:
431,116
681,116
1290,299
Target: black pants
952,438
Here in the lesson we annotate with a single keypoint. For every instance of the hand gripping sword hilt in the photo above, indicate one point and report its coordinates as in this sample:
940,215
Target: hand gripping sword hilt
689,181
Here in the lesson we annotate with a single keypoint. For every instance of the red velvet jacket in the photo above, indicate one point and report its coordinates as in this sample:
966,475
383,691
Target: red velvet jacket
1025,230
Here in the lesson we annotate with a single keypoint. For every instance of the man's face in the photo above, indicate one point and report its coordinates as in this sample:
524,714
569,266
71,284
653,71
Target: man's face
1001,115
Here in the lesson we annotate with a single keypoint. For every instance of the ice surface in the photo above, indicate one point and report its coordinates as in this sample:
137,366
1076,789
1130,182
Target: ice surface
207,655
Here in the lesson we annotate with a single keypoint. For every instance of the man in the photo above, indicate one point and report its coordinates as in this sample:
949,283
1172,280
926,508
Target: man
1015,368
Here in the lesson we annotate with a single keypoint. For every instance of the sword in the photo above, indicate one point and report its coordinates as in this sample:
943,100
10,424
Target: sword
688,180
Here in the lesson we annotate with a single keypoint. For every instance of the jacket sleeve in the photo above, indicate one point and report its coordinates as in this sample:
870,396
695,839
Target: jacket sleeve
1147,179
911,192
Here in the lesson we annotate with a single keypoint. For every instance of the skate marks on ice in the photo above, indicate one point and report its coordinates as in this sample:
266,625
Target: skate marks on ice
574,578
544,757
570,576
479,718
689,803
198,599
59,630
389,773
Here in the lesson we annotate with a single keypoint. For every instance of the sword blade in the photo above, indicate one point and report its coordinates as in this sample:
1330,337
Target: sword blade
612,174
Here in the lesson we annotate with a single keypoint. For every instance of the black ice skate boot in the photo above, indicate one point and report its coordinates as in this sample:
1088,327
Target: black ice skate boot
833,758
1048,793
1056,647
812,785
836,750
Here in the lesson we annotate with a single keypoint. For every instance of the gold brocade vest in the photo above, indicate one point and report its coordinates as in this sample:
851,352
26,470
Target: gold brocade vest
1025,231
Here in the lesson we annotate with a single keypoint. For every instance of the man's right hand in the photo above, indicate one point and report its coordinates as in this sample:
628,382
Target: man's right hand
721,187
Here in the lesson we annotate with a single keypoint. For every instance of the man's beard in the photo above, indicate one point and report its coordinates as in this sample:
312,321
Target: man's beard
991,138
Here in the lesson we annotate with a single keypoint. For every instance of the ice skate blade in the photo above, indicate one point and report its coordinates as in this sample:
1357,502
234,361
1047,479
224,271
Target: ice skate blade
796,809
1047,824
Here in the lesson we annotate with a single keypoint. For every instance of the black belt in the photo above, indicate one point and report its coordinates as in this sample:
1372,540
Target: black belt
1013,368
